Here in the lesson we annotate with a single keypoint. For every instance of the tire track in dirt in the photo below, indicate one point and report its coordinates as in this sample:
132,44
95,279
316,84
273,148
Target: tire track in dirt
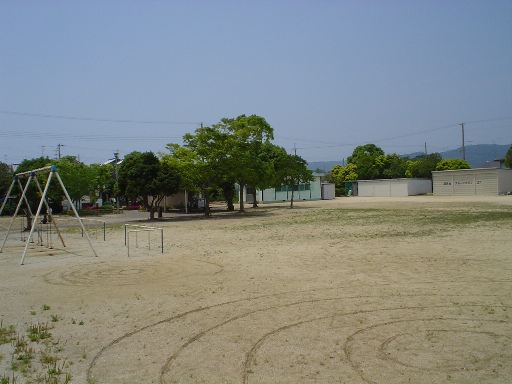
183,348
122,273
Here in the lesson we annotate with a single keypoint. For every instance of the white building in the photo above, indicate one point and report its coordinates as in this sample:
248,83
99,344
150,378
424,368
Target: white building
390,187
478,181
315,190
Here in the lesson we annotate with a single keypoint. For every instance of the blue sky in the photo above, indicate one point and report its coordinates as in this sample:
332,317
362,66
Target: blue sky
104,76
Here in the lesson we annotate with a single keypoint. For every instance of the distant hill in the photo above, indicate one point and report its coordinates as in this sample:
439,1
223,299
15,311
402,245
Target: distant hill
323,165
476,155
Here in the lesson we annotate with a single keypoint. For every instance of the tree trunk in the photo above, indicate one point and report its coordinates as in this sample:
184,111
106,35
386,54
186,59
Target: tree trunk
241,198
254,201
29,220
149,207
206,204
291,201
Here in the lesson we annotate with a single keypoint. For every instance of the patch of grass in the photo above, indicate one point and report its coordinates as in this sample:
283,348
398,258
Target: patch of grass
458,217
7,334
7,379
385,222
35,355
38,332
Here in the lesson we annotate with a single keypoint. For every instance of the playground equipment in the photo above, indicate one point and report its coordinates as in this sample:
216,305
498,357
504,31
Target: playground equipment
44,228
52,171
142,228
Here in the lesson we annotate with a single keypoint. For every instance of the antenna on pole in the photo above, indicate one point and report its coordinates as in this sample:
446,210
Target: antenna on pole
463,149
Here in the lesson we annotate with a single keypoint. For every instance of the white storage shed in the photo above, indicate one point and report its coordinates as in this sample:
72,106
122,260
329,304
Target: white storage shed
328,191
394,187
467,182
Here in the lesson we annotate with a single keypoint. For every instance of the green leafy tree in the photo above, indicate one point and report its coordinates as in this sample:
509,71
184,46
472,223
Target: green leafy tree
33,196
202,160
508,157
143,176
422,166
183,159
103,181
76,176
391,166
5,178
274,158
167,182
448,164
339,174
136,172
245,136
364,157
229,194
291,170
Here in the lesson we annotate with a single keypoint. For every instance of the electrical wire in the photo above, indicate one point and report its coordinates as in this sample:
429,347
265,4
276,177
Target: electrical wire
90,137
123,121
410,134
56,136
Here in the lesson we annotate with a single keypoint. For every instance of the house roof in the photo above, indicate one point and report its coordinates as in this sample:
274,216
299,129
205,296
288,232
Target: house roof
496,163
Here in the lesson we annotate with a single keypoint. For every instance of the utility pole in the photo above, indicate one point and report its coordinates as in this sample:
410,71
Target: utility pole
42,150
295,149
425,148
116,156
58,150
463,149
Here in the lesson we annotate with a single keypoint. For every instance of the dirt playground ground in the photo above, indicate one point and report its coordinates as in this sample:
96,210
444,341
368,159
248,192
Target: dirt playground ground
352,290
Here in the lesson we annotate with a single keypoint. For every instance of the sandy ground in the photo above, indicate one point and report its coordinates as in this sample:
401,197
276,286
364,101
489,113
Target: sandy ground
353,290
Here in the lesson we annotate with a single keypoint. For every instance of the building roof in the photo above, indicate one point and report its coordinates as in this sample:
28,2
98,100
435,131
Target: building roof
497,163
475,170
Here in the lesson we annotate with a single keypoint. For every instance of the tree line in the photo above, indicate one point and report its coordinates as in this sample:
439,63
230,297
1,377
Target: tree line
214,161
369,162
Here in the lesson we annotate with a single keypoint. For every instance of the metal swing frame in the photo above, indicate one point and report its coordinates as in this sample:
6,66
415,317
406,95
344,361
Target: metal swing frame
32,175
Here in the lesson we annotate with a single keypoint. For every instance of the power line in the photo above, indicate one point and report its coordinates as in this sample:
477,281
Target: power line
488,120
124,121
90,137
411,134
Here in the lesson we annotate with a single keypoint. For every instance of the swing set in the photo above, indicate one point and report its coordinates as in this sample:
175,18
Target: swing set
48,219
